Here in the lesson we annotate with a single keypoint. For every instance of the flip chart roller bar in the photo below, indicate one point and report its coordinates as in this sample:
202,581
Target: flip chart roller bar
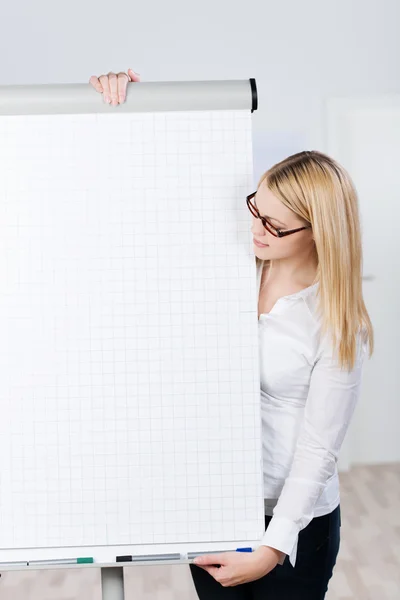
81,98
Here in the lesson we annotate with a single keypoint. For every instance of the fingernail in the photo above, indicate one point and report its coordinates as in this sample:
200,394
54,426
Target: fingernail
122,98
107,99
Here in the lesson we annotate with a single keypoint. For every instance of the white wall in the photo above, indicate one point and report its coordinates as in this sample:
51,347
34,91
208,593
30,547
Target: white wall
301,53
364,134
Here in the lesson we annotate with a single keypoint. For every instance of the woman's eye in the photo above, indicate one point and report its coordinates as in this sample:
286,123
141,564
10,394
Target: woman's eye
273,226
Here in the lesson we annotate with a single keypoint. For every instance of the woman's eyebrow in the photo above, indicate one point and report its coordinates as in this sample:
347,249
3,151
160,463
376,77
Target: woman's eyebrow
273,219
269,218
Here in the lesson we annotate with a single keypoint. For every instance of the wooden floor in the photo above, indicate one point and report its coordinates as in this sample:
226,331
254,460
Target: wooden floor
368,566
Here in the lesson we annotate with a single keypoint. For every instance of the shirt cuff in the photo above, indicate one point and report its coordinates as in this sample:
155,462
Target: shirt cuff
282,534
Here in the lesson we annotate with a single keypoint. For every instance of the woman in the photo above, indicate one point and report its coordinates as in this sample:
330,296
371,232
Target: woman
314,331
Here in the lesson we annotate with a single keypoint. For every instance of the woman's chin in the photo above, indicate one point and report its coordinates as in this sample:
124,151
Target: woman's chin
261,253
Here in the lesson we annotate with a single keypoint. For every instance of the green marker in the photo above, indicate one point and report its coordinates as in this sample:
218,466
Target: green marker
84,561
63,561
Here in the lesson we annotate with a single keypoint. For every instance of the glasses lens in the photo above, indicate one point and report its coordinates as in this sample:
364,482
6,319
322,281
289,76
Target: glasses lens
254,211
252,208
269,227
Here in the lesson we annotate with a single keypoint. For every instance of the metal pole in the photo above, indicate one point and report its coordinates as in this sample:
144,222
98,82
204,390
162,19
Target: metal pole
80,98
112,583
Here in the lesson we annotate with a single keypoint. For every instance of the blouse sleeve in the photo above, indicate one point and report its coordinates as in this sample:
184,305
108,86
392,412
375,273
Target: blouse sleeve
330,404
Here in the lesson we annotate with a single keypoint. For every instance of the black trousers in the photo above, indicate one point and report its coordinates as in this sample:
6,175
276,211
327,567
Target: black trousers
317,550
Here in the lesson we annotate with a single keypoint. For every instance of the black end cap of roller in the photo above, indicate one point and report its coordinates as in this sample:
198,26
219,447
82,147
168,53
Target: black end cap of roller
254,95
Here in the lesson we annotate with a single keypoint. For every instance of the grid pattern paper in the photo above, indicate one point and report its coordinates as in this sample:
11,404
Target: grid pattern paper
129,386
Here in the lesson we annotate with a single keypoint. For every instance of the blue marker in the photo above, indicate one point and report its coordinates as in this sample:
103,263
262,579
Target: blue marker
244,549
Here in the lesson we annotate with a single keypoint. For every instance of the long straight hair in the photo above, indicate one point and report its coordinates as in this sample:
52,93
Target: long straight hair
321,192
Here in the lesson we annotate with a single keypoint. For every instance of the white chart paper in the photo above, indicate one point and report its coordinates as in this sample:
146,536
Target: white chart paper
129,386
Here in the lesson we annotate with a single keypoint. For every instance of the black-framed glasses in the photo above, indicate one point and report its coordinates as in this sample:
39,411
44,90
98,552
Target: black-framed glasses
266,224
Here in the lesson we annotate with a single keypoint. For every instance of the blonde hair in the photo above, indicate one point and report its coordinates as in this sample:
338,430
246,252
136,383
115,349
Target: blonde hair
321,192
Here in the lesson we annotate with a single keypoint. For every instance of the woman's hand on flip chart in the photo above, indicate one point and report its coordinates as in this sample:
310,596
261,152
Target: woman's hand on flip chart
113,85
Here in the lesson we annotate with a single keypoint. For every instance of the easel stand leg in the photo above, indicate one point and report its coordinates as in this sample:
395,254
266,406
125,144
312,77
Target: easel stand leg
112,583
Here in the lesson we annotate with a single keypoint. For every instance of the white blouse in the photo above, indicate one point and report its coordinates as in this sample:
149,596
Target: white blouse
307,402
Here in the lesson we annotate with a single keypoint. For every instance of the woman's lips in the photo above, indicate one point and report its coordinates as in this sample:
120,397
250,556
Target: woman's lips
259,244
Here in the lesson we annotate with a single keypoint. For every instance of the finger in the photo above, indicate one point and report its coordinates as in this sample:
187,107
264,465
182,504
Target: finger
209,559
221,575
112,78
213,571
94,81
106,88
123,79
133,76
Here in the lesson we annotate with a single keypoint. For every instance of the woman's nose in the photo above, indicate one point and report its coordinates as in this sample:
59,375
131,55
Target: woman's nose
258,228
